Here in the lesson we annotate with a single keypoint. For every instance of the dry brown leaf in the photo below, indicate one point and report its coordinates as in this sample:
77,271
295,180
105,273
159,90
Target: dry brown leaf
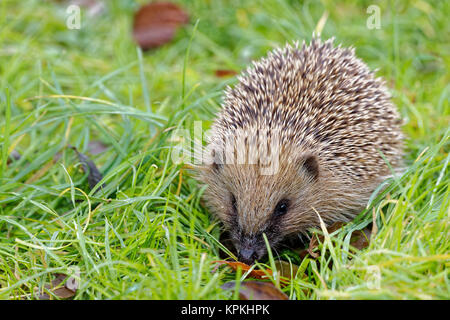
359,239
155,23
94,175
284,269
258,274
314,243
256,290
221,73
62,291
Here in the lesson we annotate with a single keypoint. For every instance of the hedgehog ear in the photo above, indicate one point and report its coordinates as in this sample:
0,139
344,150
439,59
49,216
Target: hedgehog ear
310,165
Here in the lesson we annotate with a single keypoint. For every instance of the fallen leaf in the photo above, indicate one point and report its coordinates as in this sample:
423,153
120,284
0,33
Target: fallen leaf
314,243
62,291
359,239
256,290
94,175
284,269
302,253
221,73
155,23
258,274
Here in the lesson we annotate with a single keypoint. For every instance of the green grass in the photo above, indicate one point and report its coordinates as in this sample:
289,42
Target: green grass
146,234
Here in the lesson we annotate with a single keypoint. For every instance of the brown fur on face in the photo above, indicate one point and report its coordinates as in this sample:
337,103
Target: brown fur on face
305,127
246,199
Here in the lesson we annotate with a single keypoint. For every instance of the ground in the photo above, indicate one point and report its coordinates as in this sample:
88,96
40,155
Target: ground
145,234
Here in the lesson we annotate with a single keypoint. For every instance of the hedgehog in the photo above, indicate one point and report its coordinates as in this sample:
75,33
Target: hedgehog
306,135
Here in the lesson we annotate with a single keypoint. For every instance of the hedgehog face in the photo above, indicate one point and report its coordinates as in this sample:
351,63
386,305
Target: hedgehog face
251,203
323,119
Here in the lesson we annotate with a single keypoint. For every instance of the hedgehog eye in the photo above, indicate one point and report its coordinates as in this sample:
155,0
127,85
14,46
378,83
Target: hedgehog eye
281,208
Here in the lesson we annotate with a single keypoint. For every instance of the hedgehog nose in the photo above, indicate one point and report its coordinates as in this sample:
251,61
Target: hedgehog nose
247,255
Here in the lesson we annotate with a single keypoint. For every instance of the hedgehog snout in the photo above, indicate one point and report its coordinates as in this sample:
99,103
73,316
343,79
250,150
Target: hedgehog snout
250,249
247,255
